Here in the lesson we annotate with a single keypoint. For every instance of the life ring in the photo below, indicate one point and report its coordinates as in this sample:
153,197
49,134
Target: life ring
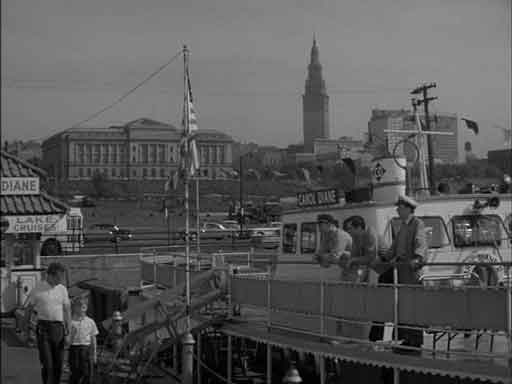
481,275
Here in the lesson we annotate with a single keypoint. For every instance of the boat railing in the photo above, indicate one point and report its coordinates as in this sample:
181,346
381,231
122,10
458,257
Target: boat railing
463,320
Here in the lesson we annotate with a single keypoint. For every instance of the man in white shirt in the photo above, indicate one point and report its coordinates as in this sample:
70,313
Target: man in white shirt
50,300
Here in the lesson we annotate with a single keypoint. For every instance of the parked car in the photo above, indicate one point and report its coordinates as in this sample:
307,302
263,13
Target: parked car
210,231
120,233
266,237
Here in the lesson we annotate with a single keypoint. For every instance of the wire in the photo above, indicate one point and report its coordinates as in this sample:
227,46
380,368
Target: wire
126,94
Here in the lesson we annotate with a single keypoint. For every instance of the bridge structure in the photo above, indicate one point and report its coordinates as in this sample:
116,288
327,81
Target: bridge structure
250,327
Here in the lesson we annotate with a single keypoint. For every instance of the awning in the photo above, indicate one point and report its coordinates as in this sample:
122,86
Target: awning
41,204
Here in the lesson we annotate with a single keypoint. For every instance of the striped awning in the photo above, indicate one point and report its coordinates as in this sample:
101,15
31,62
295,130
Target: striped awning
42,204
11,166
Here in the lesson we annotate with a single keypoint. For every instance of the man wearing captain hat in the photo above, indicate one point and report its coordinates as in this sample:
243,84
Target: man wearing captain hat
409,249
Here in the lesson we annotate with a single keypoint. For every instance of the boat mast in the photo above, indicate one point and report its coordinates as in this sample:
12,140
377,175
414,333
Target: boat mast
186,181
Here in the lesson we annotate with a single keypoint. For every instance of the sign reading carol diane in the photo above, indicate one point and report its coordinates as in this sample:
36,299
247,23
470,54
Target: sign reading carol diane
316,198
20,185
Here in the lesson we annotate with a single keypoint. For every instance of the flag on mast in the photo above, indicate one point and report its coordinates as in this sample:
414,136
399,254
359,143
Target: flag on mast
189,156
471,125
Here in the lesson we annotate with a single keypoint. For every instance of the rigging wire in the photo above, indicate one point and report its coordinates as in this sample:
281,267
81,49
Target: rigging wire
123,96
129,92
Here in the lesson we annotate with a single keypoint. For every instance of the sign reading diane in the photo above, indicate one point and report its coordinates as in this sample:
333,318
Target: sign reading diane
32,223
316,198
20,186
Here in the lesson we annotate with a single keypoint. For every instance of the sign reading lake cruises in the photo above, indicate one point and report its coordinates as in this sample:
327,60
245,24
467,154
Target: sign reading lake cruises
316,198
31,223
20,185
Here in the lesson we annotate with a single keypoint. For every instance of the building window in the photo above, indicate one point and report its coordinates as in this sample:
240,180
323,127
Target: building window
162,173
105,172
81,172
88,153
121,172
161,153
96,154
113,153
134,173
113,172
153,173
144,153
203,154
144,172
205,172
88,172
81,153
104,153
152,153
122,153
222,155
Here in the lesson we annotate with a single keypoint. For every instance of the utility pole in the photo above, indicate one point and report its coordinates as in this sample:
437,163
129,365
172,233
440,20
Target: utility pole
425,100
241,175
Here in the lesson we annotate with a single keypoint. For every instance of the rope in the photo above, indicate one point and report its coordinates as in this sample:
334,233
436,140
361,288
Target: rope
210,370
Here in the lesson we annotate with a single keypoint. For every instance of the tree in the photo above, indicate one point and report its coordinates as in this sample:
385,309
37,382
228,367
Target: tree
99,184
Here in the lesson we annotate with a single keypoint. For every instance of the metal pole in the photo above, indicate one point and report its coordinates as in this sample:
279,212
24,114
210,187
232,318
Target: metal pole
241,196
396,371
197,219
429,144
509,319
269,346
188,341
199,358
230,358
322,329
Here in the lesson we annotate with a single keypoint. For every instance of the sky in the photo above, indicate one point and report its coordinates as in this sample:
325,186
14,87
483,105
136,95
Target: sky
64,60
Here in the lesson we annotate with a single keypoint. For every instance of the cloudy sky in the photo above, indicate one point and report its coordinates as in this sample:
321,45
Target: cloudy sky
63,60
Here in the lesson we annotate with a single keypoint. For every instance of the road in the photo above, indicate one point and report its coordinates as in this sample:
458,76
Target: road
100,242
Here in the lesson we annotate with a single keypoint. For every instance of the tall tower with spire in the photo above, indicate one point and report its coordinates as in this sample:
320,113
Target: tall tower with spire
315,103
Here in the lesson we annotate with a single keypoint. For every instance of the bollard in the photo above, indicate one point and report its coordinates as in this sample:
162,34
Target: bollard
292,375
117,331
188,359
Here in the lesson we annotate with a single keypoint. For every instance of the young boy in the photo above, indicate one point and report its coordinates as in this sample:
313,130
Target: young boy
82,349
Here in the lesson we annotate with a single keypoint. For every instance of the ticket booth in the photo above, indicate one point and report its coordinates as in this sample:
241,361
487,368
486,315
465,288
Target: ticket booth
26,213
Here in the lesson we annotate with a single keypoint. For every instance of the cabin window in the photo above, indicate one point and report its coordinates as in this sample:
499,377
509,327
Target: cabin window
308,238
289,238
435,228
478,230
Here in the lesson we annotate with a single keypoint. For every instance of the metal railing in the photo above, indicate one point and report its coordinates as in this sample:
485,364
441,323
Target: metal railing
320,308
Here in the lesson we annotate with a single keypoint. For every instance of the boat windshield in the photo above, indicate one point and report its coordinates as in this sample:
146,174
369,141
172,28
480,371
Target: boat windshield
308,237
478,230
435,227
289,238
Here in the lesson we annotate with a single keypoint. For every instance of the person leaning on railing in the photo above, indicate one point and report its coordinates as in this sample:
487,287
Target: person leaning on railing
335,243
409,249
366,247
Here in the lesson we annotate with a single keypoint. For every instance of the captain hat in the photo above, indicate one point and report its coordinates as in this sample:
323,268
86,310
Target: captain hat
406,200
325,218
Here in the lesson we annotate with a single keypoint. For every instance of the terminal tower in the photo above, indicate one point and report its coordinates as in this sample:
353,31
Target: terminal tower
315,103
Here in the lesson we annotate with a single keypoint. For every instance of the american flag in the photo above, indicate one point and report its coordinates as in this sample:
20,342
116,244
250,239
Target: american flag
189,156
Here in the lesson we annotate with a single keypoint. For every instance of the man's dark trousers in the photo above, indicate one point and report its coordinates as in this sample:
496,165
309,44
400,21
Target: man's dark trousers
50,342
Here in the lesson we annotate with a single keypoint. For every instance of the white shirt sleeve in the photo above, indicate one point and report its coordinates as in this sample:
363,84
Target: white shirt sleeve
65,295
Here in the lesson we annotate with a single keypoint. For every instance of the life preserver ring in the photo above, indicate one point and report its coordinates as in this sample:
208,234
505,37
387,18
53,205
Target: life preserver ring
482,258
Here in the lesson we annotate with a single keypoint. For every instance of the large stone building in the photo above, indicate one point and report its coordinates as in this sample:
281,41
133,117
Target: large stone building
315,103
445,148
141,149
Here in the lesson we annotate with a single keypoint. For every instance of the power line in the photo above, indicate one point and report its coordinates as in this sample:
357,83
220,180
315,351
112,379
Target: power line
126,94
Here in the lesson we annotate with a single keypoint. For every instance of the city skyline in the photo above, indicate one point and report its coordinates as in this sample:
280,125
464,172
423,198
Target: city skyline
63,61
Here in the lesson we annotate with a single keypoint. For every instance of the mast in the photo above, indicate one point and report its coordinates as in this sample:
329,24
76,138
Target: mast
188,340
186,180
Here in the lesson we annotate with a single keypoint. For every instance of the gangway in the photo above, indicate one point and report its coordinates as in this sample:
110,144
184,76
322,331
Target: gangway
136,353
